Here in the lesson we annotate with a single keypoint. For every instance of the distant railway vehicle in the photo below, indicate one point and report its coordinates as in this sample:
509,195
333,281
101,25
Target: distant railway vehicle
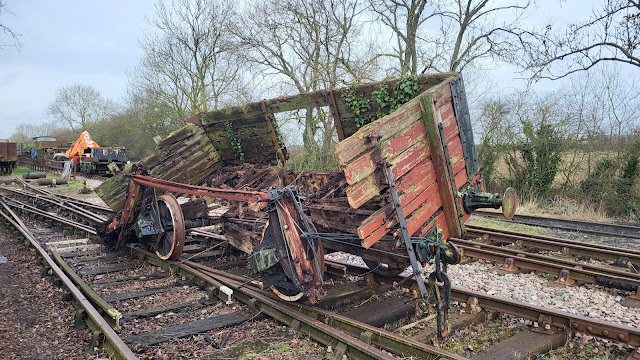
46,153
97,160
8,156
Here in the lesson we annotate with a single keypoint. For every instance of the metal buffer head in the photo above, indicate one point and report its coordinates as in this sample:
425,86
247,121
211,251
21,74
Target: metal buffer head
475,199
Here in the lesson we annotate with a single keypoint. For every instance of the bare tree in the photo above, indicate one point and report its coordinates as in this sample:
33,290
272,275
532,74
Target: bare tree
14,38
611,34
467,31
473,30
621,104
305,45
25,132
404,18
79,106
189,63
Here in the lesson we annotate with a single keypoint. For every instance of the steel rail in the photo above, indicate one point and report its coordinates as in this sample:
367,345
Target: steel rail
559,319
575,248
67,198
310,320
113,344
39,212
70,207
522,219
564,269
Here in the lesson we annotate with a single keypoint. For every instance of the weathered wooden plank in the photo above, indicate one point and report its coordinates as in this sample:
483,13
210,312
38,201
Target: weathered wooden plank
421,172
374,237
417,153
449,124
363,191
438,219
440,164
370,231
410,162
106,270
186,155
424,213
461,179
137,294
365,165
371,134
156,311
455,150
409,191
195,327
459,166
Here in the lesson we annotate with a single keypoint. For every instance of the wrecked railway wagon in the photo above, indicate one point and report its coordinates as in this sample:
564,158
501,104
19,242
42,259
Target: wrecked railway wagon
408,181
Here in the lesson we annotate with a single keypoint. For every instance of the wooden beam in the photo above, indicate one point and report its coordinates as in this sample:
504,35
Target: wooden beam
440,165
274,136
336,115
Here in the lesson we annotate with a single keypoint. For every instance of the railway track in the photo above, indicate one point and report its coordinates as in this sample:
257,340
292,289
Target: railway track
110,279
598,228
550,243
91,268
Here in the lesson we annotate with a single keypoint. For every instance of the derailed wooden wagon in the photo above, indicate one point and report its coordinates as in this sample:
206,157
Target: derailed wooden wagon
408,181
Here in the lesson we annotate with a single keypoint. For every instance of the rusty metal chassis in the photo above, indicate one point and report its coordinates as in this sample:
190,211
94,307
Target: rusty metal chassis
285,216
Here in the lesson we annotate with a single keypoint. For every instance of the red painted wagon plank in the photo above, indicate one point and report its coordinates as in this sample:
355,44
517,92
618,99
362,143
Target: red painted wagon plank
461,179
416,154
450,127
422,171
459,166
362,191
360,168
403,140
373,237
417,212
422,215
423,196
374,222
455,149
394,151
379,130
380,217
441,221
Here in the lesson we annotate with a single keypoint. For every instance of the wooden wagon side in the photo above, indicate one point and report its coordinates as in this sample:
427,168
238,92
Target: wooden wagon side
428,144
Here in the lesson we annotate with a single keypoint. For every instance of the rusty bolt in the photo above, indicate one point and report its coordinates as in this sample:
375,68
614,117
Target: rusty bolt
589,328
621,336
605,332
576,325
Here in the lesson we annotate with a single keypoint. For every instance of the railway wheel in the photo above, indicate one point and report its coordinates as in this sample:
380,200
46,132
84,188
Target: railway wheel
384,269
172,240
285,288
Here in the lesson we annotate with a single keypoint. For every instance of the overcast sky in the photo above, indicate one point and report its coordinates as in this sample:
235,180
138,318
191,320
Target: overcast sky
64,42
96,42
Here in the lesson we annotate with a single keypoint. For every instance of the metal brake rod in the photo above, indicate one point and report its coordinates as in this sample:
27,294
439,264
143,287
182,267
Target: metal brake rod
227,194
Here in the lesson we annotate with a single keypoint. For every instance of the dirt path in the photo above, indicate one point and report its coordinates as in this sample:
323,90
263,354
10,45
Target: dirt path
35,320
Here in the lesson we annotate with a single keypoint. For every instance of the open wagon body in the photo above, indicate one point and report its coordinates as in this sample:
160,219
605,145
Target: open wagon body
408,181
8,156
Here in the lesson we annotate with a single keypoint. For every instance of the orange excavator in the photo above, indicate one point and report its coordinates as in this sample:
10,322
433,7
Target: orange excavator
90,158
